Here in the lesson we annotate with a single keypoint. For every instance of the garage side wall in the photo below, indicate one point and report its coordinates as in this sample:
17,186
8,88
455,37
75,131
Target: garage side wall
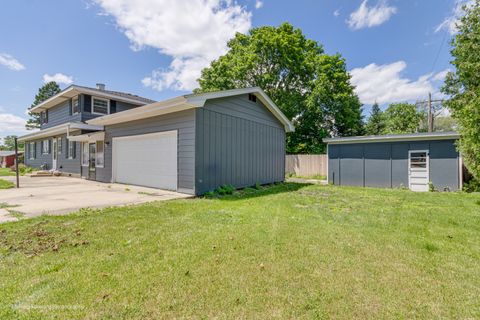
183,121
386,164
239,142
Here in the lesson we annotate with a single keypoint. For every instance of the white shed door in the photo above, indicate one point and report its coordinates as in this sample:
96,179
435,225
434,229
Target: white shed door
148,160
418,170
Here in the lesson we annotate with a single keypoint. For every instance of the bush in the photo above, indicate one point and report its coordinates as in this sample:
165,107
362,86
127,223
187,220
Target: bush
220,191
22,169
473,185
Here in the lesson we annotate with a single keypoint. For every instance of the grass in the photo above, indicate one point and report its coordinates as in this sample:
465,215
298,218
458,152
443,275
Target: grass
6,172
4,184
314,177
287,251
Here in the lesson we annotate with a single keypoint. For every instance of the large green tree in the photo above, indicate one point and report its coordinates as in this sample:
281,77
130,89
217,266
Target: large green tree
9,143
402,118
376,122
46,91
463,86
312,88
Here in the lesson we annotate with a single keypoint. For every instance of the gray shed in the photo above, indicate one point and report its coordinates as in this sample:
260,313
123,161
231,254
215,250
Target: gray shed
394,161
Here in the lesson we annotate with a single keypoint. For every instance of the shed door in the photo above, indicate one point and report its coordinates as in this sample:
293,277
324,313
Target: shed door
146,160
418,170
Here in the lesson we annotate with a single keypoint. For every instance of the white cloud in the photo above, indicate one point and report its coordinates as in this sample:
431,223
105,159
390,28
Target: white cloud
191,32
441,75
385,84
258,4
336,13
367,17
59,78
10,62
11,124
450,23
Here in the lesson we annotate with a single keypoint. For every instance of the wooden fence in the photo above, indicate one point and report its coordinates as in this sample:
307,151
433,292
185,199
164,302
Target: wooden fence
306,165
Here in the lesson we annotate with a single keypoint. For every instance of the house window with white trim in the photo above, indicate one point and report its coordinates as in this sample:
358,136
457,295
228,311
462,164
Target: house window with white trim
75,106
100,106
31,150
70,149
85,154
45,146
99,162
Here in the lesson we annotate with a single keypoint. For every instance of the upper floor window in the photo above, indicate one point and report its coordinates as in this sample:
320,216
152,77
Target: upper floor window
44,117
75,106
100,106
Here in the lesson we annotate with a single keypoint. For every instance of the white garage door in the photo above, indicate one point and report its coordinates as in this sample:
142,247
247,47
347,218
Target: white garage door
146,160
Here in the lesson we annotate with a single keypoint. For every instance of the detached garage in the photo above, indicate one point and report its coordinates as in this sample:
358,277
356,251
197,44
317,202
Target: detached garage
192,144
412,161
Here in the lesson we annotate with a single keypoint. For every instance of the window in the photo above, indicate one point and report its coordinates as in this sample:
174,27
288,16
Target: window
70,149
85,154
418,160
31,150
59,145
100,106
99,156
75,105
44,117
252,97
45,146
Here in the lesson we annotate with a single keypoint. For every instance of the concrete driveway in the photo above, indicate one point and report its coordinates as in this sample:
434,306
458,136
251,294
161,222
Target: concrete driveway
61,195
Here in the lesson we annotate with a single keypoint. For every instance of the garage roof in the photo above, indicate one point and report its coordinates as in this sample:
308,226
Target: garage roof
394,137
189,101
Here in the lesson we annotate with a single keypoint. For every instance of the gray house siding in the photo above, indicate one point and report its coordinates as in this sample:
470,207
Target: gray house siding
239,142
64,164
183,121
386,164
60,114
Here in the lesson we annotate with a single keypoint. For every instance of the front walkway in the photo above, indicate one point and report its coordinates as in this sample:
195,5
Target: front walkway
61,195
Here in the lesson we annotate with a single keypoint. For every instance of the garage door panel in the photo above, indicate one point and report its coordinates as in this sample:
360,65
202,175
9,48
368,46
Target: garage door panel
147,160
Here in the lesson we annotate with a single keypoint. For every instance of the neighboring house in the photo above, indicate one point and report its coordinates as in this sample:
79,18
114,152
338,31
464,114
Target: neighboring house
193,143
7,158
416,161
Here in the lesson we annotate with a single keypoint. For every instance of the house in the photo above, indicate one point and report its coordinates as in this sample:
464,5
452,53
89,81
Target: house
192,143
416,161
7,158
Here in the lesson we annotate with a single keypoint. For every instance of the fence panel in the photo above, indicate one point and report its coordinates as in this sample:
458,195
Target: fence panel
306,165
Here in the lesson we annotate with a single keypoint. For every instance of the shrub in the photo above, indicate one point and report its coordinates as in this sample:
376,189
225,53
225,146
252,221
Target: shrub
22,168
473,185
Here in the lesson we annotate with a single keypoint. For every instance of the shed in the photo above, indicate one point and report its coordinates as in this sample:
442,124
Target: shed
416,161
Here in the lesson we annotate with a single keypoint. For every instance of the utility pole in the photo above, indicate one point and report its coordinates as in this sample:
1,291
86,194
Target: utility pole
430,114
16,162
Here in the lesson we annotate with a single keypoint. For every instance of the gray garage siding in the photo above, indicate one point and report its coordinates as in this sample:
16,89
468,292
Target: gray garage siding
386,164
183,121
239,142
63,163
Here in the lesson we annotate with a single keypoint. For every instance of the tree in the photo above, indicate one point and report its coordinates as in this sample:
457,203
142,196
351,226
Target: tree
9,143
402,118
48,90
311,88
376,123
445,124
463,86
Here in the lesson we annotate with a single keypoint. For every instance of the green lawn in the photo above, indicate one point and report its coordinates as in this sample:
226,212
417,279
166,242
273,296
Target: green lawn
4,184
6,172
290,251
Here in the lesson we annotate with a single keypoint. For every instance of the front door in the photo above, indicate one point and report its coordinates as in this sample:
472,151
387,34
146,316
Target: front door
418,170
54,153
92,151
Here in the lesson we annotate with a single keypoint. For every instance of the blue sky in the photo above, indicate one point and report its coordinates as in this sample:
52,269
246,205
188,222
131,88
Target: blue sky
396,50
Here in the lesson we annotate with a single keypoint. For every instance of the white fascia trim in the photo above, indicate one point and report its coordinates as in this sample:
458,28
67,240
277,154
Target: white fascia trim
147,111
60,129
391,139
80,90
200,99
